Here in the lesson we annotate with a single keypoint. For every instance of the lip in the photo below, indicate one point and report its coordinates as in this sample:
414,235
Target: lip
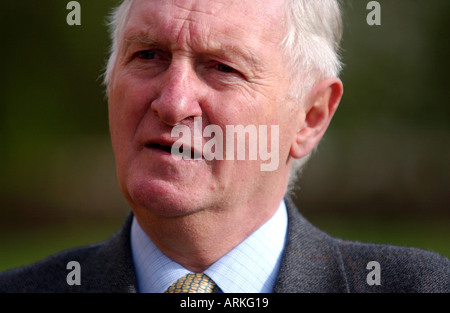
164,146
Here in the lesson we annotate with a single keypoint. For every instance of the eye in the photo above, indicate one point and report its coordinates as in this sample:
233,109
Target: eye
225,68
146,54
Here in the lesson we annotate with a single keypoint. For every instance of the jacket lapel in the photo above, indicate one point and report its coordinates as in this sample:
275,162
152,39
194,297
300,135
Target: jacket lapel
111,268
311,260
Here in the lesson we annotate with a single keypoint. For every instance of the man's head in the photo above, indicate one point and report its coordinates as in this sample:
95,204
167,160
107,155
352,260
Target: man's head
227,63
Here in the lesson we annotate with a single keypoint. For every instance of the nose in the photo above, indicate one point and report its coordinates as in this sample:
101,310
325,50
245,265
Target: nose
179,94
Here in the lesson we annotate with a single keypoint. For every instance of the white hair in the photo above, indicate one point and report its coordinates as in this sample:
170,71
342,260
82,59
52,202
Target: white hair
311,47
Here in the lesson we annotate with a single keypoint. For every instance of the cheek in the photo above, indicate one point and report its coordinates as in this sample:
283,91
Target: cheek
127,106
237,107
291,122
129,100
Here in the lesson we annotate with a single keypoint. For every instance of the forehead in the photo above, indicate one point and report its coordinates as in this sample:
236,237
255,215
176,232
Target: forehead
190,23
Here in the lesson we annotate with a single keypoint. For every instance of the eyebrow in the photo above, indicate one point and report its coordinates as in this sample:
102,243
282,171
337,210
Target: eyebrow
224,51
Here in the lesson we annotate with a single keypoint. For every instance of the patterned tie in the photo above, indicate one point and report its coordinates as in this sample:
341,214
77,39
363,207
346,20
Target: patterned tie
194,283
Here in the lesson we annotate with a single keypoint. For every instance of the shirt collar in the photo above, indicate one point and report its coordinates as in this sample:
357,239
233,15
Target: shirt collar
252,266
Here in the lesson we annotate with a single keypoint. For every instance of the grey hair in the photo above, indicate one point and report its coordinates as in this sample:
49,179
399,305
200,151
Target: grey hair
117,22
311,45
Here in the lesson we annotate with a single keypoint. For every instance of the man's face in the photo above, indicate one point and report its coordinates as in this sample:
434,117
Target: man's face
217,60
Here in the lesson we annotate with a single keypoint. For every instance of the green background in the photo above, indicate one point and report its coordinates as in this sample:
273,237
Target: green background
381,174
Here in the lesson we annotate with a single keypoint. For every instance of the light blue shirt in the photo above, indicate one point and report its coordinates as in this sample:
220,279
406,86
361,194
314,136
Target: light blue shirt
250,267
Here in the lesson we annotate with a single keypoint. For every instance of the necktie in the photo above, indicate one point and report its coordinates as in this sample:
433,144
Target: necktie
193,283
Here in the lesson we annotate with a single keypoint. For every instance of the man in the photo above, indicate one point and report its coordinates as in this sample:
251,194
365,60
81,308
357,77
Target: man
188,65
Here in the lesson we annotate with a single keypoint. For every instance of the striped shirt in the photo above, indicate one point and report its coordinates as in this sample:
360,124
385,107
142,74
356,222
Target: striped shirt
250,267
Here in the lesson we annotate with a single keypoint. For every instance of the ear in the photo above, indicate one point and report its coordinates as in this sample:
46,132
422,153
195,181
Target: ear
320,105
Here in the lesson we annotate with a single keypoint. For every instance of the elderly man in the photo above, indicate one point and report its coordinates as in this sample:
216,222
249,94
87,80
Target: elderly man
223,224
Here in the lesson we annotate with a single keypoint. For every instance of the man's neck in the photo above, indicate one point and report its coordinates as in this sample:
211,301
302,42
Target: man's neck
198,240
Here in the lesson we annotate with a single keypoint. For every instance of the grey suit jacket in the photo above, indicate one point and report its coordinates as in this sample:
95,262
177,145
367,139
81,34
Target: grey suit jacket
312,262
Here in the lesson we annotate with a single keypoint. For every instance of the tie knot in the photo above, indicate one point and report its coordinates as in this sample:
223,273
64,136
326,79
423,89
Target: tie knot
193,283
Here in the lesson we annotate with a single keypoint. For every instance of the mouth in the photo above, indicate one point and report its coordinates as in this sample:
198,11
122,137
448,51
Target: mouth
185,153
157,146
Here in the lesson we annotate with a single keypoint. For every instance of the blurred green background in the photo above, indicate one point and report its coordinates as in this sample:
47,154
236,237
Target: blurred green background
381,174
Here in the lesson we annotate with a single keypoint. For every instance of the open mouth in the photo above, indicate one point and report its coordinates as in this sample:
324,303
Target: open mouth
167,149
184,153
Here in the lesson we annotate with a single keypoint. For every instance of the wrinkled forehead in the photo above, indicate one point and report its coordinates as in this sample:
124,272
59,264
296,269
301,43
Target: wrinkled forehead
190,22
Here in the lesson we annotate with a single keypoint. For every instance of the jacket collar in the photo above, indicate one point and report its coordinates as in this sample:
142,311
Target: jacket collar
312,261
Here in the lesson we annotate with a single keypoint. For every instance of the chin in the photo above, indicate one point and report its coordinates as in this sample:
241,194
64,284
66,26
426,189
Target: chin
162,198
